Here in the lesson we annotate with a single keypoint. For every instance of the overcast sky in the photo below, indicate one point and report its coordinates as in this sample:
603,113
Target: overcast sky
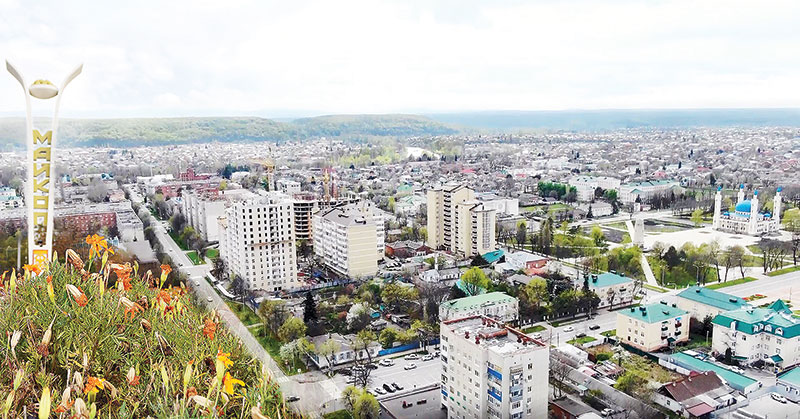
289,58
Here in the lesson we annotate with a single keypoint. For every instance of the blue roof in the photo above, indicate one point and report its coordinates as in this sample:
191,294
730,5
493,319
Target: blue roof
608,279
735,380
654,313
493,257
792,376
743,206
709,297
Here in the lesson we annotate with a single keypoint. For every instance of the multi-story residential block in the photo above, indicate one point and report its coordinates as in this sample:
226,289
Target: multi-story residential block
501,205
653,326
490,370
586,185
257,242
441,202
770,334
350,239
289,187
88,219
304,206
9,198
703,302
614,290
496,305
474,229
202,209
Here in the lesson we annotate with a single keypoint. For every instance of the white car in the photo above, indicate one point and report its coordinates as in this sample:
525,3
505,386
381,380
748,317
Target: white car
196,283
209,299
778,398
410,366
386,362
411,357
537,336
606,412
569,329
428,357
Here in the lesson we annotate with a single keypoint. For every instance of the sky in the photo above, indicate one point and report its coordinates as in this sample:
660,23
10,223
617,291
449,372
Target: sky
301,58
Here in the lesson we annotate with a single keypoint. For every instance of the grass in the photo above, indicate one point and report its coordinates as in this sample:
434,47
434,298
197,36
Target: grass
755,249
784,271
212,253
619,224
654,288
533,329
609,333
697,341
244,314
178,240
581,341
195,258
339,414
731,283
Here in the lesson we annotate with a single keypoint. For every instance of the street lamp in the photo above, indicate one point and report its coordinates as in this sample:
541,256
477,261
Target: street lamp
41,148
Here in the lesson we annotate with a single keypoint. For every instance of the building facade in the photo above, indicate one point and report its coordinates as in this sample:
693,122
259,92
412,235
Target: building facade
586,185
257,242
496,305
746,217
441,202
614,290
9,198
703,302
770,334
349,239
492,371
645,190
652,327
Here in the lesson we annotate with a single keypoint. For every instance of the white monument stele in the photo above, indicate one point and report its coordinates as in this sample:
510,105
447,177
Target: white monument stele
41,152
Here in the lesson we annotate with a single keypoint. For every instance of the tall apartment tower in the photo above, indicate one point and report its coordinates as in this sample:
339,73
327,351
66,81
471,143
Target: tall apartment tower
257,241
459,223
350,239
490,370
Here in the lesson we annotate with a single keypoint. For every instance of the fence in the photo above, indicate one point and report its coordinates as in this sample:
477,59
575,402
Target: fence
406,347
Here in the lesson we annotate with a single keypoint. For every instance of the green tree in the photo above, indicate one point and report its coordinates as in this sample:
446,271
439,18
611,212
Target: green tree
597,236
273,314
388,337
309,309
395,295
293,328
536,292
474,281
328,350
697,217
366,407
521,235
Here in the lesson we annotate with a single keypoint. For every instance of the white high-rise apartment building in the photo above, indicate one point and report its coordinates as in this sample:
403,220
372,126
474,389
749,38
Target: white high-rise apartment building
459,223
350,239
490,370
257,242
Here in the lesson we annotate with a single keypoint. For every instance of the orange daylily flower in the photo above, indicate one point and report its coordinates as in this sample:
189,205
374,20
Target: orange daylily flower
166,269
132,378
130,307
64,406
97,244
93,384
229,382
77,294
123,274
34,269
209,329
224,358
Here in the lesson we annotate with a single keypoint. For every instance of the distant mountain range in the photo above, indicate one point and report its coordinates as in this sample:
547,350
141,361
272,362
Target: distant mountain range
160,131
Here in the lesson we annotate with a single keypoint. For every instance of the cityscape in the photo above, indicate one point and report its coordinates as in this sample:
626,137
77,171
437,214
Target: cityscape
597,256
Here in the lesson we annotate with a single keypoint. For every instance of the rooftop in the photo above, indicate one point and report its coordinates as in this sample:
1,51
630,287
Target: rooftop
776,319
477,301
792,376
607,279
653,313
492,335
707,296
735,380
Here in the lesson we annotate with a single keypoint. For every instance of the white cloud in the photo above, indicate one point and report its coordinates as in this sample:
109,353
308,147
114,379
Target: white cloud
252,57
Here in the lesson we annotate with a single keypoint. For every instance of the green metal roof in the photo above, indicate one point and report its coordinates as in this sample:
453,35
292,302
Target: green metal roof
776,358
735,380
608,279
720,300
792,376
776,317
492,257
477,300
653,313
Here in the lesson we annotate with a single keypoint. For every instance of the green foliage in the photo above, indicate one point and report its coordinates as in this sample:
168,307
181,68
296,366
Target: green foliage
697,217
555,190
361,404
731,283
388,337
293,328
149,347
474,281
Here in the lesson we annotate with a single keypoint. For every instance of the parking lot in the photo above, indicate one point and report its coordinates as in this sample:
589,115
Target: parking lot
426,373
769,408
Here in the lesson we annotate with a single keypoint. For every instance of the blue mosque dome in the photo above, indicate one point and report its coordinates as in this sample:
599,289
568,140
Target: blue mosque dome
743,206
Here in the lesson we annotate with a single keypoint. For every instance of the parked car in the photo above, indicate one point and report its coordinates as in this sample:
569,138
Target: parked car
537,336
378,390
411,357
386,362
569,329
606,412
594,327
292,399
397,387
410,366
778,398
196,282
350,380
428,357
388,388
209,299
372,366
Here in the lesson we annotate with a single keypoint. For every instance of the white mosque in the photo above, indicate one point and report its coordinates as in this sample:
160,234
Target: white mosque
746,219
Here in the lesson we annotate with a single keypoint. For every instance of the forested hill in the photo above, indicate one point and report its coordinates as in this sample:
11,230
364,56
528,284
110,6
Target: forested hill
158,131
